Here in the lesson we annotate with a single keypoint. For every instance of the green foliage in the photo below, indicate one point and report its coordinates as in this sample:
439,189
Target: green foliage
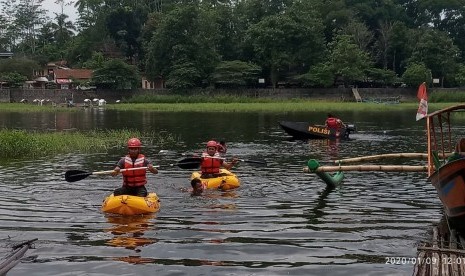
384,76
320,75
124,26
285,38
436,50
415,74
348,60
460,75
96,61
183,76
281,40
273,105
447,97
236,73
13,79
198,98
183,47
116,74
22,66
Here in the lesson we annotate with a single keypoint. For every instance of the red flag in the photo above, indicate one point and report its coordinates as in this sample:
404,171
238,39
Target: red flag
423,97
422,92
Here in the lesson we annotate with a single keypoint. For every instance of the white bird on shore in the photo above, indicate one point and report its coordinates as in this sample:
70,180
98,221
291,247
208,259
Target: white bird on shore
102,102
118,101
87,103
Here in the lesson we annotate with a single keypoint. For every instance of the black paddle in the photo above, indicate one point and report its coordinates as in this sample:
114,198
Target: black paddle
190,163
76,175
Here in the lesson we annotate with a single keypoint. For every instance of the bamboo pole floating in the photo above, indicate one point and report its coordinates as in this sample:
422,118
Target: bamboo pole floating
382,156
379,168
313,166
417,155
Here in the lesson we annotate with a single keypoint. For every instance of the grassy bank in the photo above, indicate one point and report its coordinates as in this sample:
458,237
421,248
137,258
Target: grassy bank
302,106
235,104
22,144
31,107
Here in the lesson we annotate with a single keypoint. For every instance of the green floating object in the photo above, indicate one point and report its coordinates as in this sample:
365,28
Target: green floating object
313,165
330,180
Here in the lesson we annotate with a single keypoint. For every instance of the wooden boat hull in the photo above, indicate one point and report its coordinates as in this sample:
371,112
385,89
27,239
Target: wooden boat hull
131,205
304,130
449,181
226,181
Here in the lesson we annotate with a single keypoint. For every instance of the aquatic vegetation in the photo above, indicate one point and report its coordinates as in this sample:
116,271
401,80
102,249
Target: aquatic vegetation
20,143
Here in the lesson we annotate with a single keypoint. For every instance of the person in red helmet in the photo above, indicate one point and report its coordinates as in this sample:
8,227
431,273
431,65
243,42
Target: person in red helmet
221,148
134,180
212,161
333,122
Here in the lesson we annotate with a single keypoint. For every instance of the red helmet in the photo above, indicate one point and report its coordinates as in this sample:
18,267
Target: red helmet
212,144
134,143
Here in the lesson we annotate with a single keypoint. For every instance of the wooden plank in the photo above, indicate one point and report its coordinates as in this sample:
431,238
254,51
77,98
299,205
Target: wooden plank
453,245
420,268
356,95
435,256
444,265
379,168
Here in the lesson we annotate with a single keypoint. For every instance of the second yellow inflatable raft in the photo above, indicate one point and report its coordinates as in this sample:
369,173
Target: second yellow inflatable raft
225,181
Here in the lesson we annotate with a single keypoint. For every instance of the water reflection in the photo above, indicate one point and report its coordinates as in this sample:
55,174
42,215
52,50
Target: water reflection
280,221
128,231
223,206
316,212
325,147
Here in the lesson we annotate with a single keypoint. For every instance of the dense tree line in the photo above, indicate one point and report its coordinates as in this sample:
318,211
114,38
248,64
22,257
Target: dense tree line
232,43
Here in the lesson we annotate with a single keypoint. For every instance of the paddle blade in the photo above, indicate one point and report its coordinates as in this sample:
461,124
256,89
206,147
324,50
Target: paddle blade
190,163
76,175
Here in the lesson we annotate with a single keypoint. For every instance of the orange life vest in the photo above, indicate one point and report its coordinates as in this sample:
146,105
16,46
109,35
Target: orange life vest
211,164
134,178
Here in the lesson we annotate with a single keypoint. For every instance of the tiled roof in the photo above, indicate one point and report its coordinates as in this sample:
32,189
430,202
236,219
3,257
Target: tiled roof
57,63
73,73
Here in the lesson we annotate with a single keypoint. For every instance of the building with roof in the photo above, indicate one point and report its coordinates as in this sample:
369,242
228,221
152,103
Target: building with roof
71,78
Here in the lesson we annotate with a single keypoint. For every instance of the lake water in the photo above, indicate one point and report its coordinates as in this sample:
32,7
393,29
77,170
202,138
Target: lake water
281,221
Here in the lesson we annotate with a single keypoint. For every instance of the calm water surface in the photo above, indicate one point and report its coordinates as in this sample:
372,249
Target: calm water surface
281,221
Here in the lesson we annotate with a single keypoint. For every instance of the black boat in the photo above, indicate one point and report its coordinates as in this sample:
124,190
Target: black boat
304,131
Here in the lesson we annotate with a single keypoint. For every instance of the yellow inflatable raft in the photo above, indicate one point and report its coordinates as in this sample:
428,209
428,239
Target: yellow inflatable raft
226,181
131,205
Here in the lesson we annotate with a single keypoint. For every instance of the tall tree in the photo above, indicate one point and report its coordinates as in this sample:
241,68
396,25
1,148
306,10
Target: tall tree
383,44
284,40
348,60
359,33
63,29
29,17
124,26
116,74
8,31
437,51
183,45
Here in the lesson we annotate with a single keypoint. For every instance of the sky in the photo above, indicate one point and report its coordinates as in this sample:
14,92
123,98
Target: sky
52,8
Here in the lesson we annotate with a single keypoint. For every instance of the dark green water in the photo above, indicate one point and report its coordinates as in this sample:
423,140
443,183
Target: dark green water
281,221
